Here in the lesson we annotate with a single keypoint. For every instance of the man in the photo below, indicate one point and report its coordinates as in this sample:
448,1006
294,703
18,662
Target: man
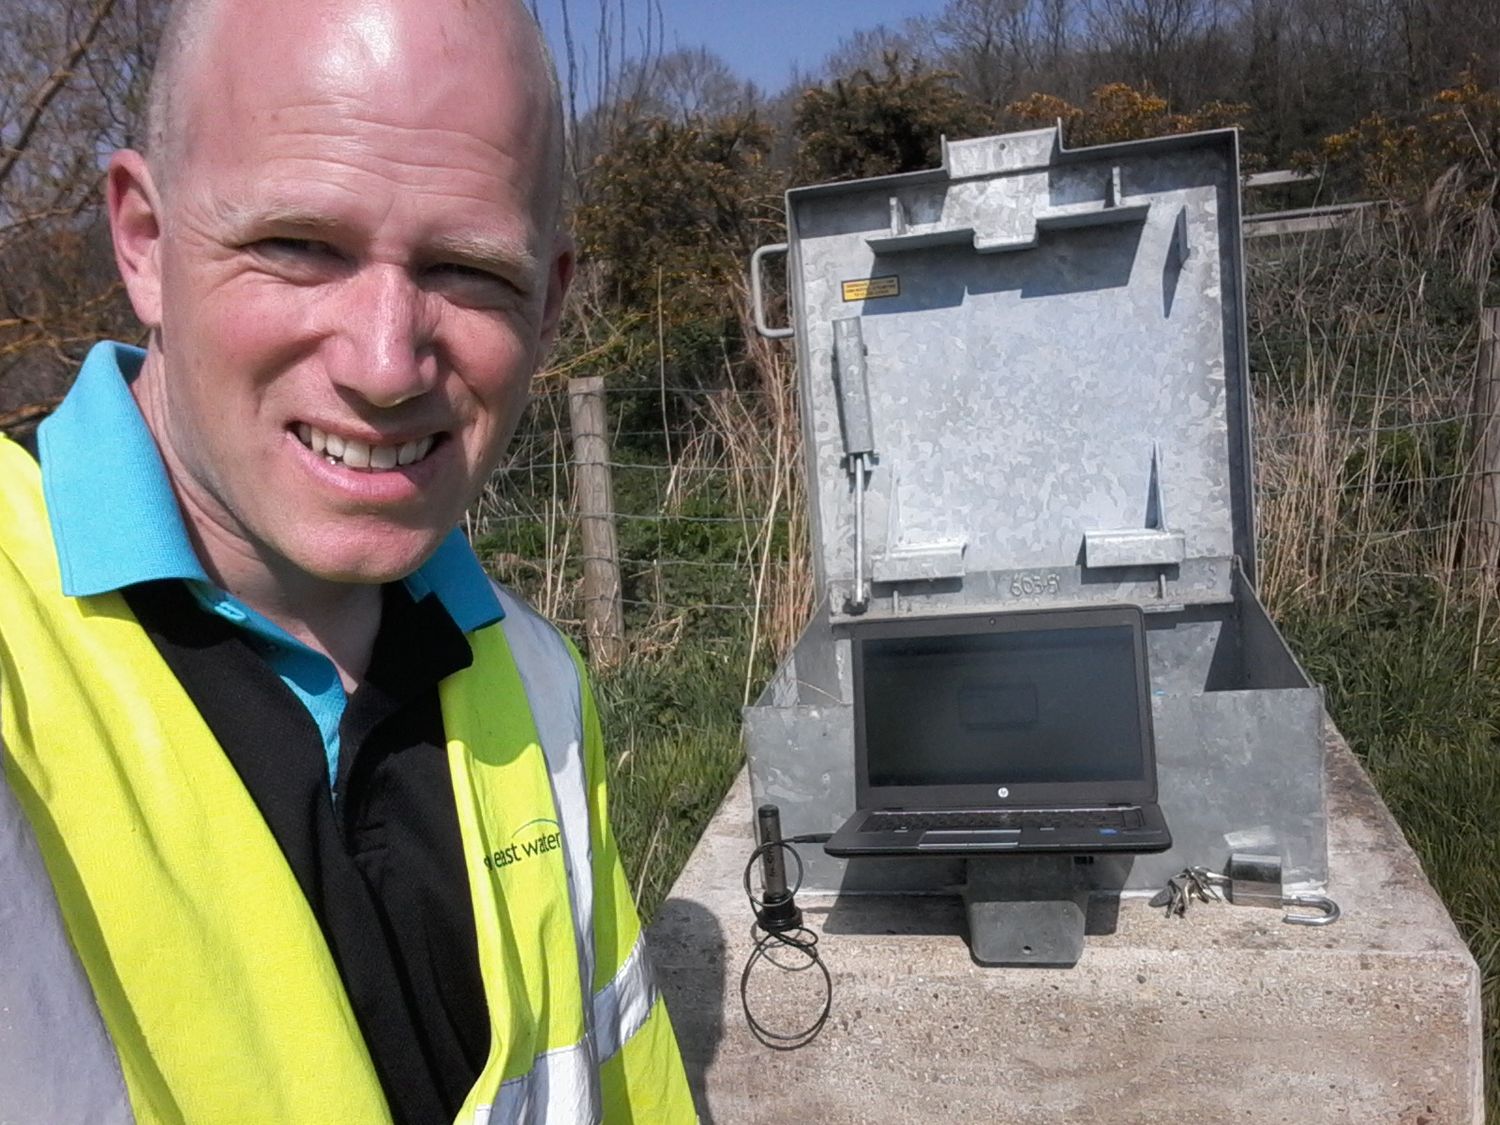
303,820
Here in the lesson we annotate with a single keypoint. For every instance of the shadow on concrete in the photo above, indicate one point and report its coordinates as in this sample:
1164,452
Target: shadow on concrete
688,953
939,914
891,915
1106,877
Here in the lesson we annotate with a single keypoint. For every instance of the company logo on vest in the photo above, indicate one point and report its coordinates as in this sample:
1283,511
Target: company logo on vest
541,836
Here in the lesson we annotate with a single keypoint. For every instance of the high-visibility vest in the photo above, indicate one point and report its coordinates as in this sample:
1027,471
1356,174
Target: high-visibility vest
158,961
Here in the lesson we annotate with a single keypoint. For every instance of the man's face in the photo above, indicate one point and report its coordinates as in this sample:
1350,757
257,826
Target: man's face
356,274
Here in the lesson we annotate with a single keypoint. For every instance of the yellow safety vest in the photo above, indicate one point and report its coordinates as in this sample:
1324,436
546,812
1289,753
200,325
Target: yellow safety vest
204,966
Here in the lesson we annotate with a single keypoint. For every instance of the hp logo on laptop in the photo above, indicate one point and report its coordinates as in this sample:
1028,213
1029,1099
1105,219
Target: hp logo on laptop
1002,792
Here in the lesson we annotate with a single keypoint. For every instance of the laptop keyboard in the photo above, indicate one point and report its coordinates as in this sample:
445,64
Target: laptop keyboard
1002,820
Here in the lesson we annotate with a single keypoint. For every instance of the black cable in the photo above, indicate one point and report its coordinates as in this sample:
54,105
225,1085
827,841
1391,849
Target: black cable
770,940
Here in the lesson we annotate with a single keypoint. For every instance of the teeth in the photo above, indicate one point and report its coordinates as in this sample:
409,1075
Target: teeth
355,454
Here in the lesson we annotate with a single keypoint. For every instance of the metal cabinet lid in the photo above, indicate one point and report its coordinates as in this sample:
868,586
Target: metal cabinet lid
1032,364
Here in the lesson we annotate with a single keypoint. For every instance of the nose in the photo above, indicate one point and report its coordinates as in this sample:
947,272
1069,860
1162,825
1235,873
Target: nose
385,350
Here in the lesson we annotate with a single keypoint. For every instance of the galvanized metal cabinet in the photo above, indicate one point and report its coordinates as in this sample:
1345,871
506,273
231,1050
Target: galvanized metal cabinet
1024,383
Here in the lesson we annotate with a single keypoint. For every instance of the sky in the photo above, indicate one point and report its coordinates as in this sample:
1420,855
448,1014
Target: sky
763,40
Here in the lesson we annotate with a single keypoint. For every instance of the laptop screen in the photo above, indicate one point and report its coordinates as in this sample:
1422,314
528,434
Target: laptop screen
1013,706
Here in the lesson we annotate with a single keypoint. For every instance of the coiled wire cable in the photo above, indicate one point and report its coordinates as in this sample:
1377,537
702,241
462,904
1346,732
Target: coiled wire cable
768,943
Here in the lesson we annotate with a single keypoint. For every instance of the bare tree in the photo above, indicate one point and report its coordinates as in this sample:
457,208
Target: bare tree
868,48
991,45
1155,40
1054,18
687,84
72,89
609,60
1004,50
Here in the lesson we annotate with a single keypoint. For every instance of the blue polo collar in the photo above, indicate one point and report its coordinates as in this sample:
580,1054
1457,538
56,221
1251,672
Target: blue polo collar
115,521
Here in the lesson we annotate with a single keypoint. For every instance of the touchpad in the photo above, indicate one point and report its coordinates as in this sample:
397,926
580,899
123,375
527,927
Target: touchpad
970,838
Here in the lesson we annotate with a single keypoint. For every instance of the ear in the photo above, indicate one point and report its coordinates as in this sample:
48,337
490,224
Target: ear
559,278
135,222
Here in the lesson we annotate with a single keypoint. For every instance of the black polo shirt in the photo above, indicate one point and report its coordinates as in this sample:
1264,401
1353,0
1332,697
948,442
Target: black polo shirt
383,867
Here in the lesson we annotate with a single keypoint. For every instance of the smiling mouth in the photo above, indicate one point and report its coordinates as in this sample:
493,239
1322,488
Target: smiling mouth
354,454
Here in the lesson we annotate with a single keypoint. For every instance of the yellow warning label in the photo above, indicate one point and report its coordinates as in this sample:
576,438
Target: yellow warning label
867,288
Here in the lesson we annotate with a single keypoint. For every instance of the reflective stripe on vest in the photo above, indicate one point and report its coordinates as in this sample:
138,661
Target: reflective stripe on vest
551,1027
56,1061
555,699
620,1010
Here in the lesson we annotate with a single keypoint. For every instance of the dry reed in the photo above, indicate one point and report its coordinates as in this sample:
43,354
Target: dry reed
1364,418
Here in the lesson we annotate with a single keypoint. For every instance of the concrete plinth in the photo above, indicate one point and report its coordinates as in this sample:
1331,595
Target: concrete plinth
1226,1015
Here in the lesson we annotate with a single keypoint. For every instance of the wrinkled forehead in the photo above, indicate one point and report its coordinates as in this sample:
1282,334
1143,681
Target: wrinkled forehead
471,67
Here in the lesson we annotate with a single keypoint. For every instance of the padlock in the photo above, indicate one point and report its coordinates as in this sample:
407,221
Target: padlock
1255,880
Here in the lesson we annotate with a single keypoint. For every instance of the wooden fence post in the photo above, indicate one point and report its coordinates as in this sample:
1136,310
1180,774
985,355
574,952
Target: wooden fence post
1484,501
593,495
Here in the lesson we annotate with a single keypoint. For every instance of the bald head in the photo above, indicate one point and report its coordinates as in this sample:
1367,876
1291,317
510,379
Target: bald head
344,243
202,40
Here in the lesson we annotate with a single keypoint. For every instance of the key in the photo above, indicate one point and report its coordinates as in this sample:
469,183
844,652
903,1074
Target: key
1179,904
1202,886
1213,880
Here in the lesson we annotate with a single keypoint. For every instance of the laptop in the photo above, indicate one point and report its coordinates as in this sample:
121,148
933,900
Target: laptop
1003,732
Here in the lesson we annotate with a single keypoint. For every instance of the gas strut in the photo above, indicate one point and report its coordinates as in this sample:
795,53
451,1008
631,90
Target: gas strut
850,373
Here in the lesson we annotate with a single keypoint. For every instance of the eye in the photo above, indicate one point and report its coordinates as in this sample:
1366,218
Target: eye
295,248
470,285
300,261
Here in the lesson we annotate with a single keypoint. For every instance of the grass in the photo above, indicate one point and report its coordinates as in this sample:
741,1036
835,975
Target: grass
1371,556
1419,701
672,727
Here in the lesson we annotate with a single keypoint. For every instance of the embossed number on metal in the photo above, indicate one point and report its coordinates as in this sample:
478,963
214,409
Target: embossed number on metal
1035,583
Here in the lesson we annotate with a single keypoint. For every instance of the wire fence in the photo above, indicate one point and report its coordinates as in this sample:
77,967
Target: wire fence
706,542
1373,440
